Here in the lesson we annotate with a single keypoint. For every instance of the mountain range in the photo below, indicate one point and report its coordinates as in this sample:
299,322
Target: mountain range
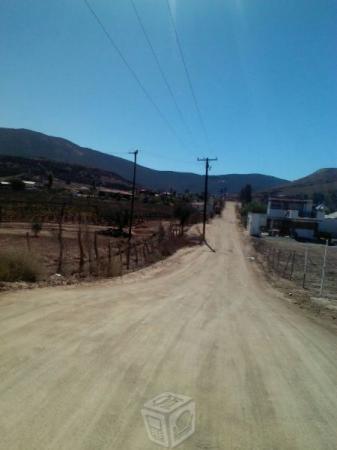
34,145
321,186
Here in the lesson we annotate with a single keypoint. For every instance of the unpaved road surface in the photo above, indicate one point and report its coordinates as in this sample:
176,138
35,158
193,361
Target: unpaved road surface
78,363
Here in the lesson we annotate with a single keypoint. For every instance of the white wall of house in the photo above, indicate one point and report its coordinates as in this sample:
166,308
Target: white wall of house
320,215
275,213
283,208
254,223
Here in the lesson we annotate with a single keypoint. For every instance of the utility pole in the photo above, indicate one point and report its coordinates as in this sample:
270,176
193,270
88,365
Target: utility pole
207,167
134,153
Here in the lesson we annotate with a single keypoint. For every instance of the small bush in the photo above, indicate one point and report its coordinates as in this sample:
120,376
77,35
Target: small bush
36,228
254,207
18,266
183,212
161,232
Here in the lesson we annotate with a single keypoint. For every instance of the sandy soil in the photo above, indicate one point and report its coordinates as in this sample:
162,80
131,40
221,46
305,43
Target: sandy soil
78,363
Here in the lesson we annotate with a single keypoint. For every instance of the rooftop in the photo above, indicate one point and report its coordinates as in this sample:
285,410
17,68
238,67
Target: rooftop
289,199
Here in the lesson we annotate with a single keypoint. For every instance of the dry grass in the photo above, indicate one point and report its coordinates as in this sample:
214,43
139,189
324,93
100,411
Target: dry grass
16,265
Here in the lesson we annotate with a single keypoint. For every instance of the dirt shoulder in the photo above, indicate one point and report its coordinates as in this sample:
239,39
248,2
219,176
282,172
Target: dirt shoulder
79,362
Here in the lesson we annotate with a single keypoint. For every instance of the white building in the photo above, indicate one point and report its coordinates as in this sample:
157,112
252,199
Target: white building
288,208
255,222
293,217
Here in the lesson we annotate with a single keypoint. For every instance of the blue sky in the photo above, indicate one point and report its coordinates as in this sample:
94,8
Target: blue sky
264,73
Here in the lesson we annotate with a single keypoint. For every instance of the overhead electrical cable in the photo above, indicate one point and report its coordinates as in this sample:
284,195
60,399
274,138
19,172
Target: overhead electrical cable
161,71
188,77
133,72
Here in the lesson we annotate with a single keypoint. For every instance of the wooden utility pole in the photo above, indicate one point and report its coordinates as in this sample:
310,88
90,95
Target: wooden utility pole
207,167
135,153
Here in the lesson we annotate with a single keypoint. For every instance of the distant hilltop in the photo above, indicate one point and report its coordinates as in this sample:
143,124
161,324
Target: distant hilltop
34,145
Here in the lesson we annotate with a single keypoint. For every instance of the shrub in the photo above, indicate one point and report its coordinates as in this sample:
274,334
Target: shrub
122,218
183,212
253,207
36,228
18,266
118,217
246,194
161,232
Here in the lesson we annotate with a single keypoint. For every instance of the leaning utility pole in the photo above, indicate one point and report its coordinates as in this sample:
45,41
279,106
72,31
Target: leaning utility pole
207,167
135,153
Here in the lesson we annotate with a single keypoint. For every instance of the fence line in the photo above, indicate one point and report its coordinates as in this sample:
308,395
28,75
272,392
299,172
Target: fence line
108,257
312,268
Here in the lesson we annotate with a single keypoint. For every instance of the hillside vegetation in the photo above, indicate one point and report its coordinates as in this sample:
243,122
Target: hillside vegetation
321,186
31,144
41,169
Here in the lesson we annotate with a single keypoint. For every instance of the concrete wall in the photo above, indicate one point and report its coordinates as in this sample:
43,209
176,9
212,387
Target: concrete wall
255,222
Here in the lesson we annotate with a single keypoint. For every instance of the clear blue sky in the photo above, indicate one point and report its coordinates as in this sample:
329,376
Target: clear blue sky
264,73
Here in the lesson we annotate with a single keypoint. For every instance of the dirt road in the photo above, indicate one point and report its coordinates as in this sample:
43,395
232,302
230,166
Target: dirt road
78,363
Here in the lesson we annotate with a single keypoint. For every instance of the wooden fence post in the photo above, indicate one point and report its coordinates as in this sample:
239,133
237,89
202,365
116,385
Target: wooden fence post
136,254
96,250
28,240
88,245
109,259
292,265
80,246
121,257
60,240
273,258
323,268
287,264
305,266
278,260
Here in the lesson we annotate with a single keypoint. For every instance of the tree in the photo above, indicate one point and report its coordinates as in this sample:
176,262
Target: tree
122,218
318,197
50,180
36,228
246,194
108,215
253,207
183,212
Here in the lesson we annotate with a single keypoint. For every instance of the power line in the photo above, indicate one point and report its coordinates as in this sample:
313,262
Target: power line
168,158
189,80
132,71
161,71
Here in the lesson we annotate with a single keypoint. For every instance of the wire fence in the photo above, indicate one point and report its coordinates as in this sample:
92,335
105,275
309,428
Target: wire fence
96,211
84,252
310,266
